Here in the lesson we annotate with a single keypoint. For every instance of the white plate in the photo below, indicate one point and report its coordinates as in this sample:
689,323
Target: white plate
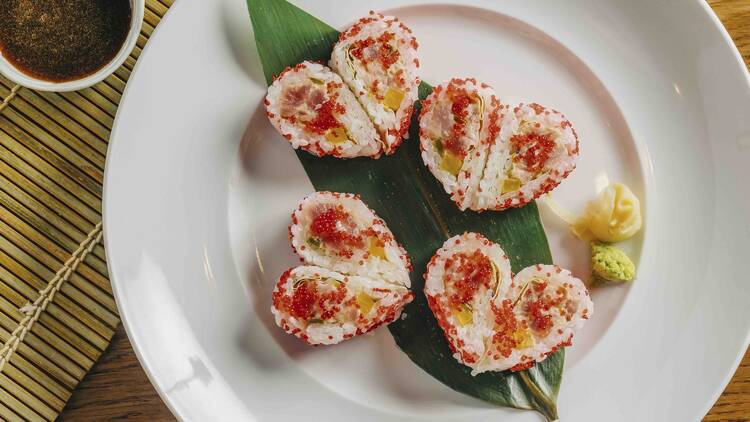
199,188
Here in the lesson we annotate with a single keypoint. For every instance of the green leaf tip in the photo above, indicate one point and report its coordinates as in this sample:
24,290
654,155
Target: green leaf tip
304,37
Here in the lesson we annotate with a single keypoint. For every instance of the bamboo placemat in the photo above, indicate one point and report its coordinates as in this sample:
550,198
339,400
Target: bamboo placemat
57,313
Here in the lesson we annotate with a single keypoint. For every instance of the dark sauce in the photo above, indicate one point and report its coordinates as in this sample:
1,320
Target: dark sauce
62,40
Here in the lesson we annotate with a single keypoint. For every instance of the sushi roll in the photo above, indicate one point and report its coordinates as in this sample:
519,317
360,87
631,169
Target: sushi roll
536,149
551,305
321,306
457,125
339,232
312,109
377,58
494,321
545,306
465,280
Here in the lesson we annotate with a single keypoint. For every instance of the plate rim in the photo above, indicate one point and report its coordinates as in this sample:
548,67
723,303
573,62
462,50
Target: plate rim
121,301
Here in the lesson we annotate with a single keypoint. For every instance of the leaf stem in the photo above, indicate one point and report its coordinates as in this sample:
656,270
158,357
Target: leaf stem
545,406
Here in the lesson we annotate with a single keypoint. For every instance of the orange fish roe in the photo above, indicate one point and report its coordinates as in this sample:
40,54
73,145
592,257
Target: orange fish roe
532,149
494,128
325,119
466,273
309,302
461,100
505,326
328,226
522,366
280,300
329,302
377,49
541,321
539,306
303,300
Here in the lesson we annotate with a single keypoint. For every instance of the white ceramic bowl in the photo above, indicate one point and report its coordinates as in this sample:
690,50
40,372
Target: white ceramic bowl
14,74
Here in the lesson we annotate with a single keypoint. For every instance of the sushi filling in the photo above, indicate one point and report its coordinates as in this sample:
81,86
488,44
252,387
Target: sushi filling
468,275
377,57
454,119
530,151
334,229
314,105
328,301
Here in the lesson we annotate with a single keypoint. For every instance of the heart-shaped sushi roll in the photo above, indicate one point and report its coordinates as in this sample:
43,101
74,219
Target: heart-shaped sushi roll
321,306
355,275
495,322
489,156
339,232
545,306
536,149
465,279
458,122
377,58
312,108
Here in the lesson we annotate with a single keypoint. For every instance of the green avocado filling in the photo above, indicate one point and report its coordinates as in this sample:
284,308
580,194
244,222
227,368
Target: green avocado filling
610,263
439,146
313,242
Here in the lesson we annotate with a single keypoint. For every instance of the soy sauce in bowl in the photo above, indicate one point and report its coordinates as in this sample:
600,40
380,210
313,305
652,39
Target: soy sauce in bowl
62,40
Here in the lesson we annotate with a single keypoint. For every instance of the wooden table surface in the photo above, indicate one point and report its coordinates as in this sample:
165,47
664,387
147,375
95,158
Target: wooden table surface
117,387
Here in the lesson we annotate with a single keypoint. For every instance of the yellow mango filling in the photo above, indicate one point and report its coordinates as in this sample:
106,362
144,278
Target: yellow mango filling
451,163
365,303
523,338
393,98
333,282
463,314
337,135
511,184
377,248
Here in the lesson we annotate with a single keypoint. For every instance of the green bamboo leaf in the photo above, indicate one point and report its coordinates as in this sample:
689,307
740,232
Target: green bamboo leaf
420,214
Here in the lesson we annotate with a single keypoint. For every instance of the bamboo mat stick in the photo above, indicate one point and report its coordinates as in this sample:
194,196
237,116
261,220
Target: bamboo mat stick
95,300
46,295
69,304
35,388
58,155
60,337
27,207
55,316
34,121
53,257
21,409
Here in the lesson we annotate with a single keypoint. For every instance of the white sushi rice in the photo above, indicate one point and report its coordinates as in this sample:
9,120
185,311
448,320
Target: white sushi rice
349,321
467,339
436,122
394,269
577,303
522,119
401,75
288,117
492,179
